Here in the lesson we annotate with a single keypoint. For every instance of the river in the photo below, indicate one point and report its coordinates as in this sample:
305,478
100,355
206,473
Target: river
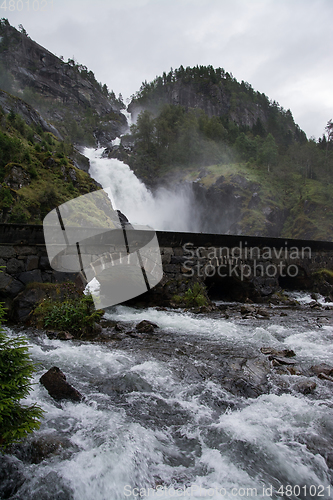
191,410
163,418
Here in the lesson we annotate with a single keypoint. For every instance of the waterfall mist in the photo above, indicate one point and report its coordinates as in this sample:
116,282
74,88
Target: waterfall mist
165,209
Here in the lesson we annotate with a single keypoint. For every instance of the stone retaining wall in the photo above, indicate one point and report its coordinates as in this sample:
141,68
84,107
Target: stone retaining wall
244,267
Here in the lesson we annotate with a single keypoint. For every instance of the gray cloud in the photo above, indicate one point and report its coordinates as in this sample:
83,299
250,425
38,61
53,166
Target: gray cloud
282,47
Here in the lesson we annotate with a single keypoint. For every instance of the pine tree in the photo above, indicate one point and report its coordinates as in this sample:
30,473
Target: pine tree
16,368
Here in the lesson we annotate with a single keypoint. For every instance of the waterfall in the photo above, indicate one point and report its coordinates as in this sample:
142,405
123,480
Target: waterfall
165,209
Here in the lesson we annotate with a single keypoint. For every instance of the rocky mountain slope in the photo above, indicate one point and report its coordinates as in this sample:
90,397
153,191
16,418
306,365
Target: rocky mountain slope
65,93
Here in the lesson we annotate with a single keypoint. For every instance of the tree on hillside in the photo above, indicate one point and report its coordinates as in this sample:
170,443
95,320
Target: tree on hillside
329,131
269,152
143,131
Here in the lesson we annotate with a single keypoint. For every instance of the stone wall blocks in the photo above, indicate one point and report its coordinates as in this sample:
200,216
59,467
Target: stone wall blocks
31,276
15,266
7,252
178,251
14,288
167,251
32,262
23,250
172,268
166,258
5,280
178,259
59,277
44,263
47,276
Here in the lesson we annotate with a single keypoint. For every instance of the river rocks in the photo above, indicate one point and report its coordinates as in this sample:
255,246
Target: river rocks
39,448
11,476
55,383
285,353
145,326
249,311
305,387
247,377
325,377
322,371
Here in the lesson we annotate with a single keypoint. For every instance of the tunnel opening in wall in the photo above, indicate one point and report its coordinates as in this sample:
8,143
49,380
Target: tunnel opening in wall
227,289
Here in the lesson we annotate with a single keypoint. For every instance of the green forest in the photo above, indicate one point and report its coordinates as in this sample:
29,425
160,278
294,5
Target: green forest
168,135
289,172
36,172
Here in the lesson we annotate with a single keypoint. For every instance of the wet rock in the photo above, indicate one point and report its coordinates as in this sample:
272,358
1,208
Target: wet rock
40,448
108,323
146,326
294,370
306,387
119,327
124,384
11,476
247,309
325,377
262,312
244,388
277,360
315,304
134,335
322,368
55,383
247,377
285,353
64,336
97,329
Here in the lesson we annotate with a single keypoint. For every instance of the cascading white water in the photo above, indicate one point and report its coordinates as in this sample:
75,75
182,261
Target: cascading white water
164,210
150,421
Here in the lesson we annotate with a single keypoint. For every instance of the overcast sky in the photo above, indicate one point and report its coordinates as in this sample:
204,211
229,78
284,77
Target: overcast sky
283,48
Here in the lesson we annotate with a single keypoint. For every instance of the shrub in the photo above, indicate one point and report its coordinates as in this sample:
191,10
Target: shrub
76,315
16,420
193,297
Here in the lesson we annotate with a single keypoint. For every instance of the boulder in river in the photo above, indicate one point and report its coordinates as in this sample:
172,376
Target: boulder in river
145,326
55,383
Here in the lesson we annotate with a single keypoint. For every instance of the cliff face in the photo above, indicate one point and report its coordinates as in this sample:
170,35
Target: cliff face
215,100
219,94
66,94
